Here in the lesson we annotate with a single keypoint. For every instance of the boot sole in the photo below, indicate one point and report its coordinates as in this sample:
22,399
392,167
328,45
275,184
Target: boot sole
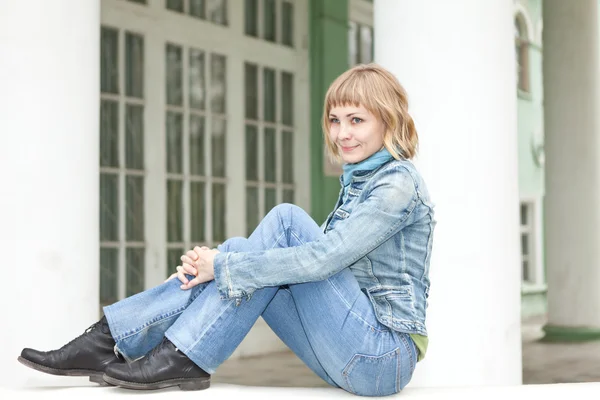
183,383
94,376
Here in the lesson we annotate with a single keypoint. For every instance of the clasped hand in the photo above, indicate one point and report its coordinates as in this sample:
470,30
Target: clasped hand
197,262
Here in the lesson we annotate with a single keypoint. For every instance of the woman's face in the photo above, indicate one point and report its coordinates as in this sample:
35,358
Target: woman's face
356,132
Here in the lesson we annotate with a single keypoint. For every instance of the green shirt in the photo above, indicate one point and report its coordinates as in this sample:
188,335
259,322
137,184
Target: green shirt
421,342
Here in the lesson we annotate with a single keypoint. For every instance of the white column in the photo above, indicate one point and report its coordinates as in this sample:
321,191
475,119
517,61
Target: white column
49,64
456,61
572,203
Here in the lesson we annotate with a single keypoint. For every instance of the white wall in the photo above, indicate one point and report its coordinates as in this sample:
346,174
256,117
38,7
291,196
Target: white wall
49,175
456,60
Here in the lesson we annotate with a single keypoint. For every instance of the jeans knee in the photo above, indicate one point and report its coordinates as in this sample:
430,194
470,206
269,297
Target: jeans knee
233,244
286,211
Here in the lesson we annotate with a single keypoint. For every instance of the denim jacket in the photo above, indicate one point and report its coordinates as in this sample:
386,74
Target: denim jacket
383,231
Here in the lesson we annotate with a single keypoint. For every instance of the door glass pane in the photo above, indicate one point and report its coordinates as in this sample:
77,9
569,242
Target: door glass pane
196,145
218,212
175,5
524,213
173,260
287,98
134,208
287,144
174,211
270,199
287,23
134,271
288,196
109,60
174,142
174,75
217,11
251,18
525,244
134,65
366,44
197,83
197,8
109,133
526,275
198,211
251,209
109,276
269,95
269,20
218,84
218,144
352,43
251,153
251,86
109,207
270,155
134,136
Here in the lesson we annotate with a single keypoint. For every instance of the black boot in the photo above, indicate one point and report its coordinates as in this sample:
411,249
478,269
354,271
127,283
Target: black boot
163,367
86,355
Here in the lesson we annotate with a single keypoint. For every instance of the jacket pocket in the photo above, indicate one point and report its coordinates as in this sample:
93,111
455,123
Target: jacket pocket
395,303
339,215
367,375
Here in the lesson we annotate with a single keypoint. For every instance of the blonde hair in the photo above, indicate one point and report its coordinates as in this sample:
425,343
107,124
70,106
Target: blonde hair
376,89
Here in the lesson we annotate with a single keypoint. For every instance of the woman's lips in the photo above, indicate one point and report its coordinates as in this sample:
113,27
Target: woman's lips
347,149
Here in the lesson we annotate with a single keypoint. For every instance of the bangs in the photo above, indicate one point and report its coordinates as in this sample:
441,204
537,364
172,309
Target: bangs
352,90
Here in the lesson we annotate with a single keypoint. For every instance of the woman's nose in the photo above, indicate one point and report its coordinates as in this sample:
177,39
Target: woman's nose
344,132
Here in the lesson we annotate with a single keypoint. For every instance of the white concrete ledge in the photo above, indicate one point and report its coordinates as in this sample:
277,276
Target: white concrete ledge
74,388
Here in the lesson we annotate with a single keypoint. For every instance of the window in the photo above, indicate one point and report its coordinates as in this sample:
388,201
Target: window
271,20
195,146
360,44
522,53
530,274
210,10
269,141
173,143
122,239
360,32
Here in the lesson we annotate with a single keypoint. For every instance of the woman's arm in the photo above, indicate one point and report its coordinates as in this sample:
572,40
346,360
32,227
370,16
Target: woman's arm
386,210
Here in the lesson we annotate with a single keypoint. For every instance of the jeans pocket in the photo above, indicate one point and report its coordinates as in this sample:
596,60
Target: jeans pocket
367,375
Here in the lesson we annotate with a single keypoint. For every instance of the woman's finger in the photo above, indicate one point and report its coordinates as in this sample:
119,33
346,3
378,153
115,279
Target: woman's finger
191,254
186,259
189,269
181,275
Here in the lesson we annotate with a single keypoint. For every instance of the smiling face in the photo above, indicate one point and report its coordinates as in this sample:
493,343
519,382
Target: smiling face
356,133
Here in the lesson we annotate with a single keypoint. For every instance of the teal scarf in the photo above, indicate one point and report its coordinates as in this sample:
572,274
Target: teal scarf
369,164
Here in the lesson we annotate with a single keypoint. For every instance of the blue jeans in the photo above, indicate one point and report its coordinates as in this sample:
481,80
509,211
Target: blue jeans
330,325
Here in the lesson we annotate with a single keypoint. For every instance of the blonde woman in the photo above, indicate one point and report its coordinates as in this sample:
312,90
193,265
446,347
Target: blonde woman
348,297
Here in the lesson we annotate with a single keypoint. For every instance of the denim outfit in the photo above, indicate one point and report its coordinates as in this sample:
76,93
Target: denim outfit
351,325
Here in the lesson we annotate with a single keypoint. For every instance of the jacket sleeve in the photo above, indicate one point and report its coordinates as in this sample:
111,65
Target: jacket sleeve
386,210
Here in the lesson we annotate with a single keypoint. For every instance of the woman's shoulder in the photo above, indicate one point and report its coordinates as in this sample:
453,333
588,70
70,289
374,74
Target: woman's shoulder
401,167
405,173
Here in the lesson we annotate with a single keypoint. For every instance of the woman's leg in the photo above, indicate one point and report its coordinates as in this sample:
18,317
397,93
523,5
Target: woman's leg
211,328
139,322
360,354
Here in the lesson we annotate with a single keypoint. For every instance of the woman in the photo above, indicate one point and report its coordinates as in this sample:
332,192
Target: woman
349,297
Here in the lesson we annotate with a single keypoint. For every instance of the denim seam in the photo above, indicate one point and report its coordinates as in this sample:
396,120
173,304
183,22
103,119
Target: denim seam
408,349
210,325
136,331
352,312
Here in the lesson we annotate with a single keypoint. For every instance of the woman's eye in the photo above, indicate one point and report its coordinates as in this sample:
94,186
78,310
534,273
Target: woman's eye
334,120
356,120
